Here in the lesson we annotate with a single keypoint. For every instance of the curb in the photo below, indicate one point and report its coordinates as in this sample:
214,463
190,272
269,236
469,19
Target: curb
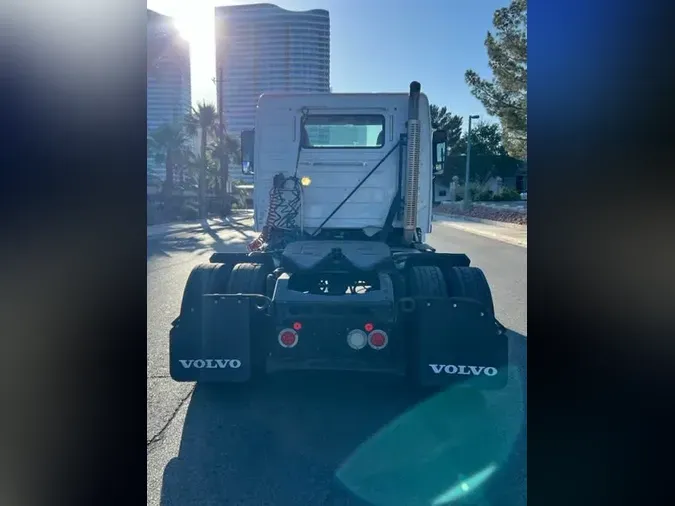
517,209
522,243
505,224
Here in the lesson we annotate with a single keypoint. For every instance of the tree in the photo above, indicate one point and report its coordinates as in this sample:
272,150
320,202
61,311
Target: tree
441,119
486,139
202,121
198,164
169,144
488,155
233,151
505,95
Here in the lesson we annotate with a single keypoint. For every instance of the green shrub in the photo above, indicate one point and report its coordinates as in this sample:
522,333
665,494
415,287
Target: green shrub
507,195
485,196
475,192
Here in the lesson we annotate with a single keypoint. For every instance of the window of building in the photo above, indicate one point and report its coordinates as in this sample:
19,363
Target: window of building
344,131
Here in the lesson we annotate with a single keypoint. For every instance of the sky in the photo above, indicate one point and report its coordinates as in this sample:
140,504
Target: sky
376,45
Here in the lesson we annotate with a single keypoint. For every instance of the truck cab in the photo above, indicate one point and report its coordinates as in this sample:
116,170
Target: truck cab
331,142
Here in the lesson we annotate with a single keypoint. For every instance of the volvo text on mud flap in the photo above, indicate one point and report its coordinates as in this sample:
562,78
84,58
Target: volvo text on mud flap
211,363
475,370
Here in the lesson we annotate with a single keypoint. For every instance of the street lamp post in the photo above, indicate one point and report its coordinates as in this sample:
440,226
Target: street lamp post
467,193
224,158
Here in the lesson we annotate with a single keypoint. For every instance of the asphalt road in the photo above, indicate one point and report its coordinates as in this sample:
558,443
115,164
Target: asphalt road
280,443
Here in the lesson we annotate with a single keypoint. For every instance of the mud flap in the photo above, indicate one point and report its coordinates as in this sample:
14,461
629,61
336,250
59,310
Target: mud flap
214,346
459,342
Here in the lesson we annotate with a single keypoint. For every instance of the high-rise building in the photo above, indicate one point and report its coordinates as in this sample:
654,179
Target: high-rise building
264,48
168,93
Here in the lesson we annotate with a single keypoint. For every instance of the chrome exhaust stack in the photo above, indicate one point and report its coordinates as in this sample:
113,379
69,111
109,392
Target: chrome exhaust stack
413,164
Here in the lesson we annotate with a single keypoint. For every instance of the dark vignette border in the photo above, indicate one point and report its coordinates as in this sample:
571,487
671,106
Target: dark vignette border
74,274
600,250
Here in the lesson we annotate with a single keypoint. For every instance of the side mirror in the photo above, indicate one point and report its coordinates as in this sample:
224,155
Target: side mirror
439,151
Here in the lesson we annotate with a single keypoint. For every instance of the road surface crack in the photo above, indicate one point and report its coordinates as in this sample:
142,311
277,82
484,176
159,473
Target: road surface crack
160,435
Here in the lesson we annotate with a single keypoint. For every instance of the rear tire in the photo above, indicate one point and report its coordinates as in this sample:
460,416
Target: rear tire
422,281
426,281
204,278
248,278
429,281
470,282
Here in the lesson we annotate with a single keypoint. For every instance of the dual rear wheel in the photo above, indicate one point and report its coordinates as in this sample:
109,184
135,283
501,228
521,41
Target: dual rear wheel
221,278
185,337
466,282
430,281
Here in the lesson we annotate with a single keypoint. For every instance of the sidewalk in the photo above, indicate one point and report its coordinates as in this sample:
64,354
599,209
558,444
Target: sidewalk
236,218
508,232
172,228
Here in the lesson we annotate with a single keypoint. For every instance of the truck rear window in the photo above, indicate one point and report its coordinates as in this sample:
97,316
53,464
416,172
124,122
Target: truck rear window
343,131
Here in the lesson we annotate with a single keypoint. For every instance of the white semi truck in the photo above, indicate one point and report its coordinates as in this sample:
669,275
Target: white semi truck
340,277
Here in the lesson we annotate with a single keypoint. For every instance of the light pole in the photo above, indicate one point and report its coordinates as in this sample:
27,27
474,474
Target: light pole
467,194
224,158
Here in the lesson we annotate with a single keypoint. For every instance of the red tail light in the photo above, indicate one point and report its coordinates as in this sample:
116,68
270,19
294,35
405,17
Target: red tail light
369,327
378,339
288,338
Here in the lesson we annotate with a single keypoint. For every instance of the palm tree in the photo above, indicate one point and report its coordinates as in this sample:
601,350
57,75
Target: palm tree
213,167
202,121
169,144
233,154
234,150
197,164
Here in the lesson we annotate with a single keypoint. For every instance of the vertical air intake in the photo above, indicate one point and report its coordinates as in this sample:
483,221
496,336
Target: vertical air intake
413,164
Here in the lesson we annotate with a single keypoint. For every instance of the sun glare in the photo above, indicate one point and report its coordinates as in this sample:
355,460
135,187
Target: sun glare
186,28
194,24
